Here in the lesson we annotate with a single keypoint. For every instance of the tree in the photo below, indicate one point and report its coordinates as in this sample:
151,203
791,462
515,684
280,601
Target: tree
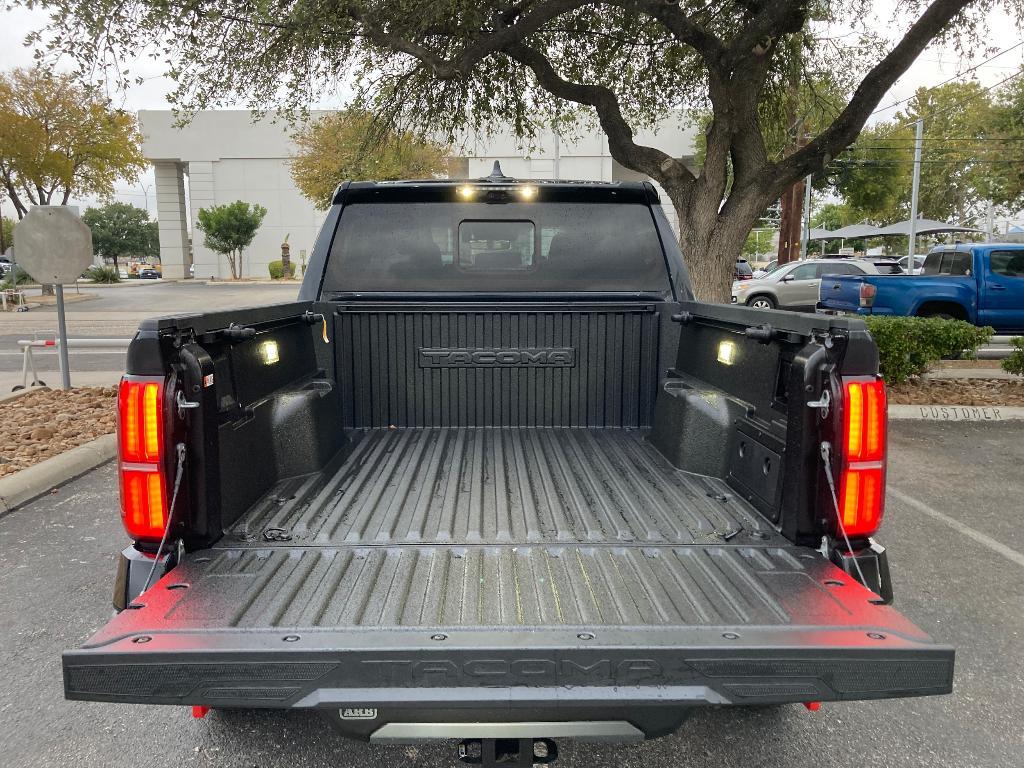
973,138
120,230
446,66
7,233
345,145
229,230
58,139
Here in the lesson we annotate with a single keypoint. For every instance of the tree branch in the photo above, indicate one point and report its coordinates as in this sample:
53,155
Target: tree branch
844,129
655,163
515,28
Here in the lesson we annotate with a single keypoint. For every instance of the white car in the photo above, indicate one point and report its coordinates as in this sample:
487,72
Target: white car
918,264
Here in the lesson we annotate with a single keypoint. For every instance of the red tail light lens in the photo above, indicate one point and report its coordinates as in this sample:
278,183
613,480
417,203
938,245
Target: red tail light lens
867,294
862,479
140,441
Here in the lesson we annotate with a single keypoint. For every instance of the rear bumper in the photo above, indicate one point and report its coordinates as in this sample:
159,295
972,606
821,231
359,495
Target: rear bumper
408,672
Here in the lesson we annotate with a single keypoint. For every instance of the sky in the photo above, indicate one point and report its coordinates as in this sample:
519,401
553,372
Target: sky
934,66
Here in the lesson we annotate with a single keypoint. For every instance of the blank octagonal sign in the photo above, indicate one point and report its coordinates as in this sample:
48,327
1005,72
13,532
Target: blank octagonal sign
53,244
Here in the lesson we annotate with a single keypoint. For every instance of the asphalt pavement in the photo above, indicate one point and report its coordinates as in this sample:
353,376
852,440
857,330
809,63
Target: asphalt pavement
115,311
953,529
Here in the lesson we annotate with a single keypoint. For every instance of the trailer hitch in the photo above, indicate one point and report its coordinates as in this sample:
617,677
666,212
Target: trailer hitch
521,753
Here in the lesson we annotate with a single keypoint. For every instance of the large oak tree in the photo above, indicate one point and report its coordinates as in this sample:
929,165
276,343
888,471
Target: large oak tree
447,65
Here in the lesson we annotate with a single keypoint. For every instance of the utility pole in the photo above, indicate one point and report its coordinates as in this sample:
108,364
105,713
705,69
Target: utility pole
918,141
806,237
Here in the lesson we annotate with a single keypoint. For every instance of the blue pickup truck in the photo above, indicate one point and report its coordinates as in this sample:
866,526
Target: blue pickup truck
982,283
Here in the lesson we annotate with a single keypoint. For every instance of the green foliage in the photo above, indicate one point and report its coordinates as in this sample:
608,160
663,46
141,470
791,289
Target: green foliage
103,274
8,229
1015,362
59,139
972,137
276,269
230,229
346,145
120,230
907,346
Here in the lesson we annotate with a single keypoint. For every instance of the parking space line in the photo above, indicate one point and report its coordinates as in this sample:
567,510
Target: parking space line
966,530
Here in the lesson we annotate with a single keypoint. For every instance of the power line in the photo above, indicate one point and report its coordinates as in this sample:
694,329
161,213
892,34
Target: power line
975,68
972,97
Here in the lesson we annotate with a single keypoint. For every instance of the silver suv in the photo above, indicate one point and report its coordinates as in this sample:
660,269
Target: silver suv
795,286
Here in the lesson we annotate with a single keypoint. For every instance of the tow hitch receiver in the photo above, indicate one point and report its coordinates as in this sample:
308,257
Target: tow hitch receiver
508,752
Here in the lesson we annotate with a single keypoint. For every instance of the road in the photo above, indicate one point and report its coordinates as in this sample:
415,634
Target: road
115,311
951,577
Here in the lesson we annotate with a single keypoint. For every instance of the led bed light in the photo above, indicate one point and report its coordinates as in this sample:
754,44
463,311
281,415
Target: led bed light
726,352
269,352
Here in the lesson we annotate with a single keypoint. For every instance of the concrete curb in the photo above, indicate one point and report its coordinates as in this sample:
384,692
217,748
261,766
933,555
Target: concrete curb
31,483
957,412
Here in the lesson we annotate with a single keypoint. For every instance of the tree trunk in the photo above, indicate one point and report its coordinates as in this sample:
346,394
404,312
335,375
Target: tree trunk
711,241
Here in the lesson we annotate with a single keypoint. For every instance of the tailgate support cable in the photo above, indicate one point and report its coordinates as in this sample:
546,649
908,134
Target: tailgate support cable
826,456
179,449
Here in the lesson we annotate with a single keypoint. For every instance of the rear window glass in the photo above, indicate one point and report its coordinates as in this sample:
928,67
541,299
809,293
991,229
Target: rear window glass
743,268
488,247
1008,263
957,263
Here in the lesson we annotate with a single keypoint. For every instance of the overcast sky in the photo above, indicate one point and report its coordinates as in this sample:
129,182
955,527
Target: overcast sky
935,65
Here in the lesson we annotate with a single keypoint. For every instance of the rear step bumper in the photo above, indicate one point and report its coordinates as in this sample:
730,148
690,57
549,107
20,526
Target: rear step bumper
407,672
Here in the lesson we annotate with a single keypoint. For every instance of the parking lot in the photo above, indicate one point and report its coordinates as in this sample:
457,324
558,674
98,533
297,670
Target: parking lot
954,535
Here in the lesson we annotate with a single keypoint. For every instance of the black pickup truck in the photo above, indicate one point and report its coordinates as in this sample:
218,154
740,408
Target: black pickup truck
497,477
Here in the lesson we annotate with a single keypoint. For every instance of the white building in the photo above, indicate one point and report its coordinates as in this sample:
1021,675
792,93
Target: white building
224,155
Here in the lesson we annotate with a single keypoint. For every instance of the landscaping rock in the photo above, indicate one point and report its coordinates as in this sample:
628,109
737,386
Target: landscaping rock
46,423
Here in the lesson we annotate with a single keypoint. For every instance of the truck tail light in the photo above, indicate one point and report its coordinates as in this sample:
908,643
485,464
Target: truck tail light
140,444
862,477
867,295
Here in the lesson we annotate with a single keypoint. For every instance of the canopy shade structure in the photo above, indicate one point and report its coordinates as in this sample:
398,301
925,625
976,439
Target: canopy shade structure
856,230
820,234
924,227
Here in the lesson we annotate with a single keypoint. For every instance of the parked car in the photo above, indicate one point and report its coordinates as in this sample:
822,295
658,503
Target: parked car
496,477
982,283
742,270
149,274
918,264
795,285
767,269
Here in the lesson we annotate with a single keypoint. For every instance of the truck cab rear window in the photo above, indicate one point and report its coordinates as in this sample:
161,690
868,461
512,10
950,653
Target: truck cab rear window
485,247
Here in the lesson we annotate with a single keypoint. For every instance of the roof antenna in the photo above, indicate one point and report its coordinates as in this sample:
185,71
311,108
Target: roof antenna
496,171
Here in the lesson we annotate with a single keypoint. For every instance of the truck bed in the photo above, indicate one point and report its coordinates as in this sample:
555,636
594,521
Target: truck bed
499,486
392,571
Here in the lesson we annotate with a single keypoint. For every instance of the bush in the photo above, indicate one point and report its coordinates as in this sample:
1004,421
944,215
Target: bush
1015,362
907,346
103,274
276,269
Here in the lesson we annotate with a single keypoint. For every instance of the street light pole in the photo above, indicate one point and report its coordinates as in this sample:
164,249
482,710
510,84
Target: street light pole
918,141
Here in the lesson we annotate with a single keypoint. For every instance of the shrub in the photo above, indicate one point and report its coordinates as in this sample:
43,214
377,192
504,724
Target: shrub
103,274
1015,362
276,269
907,346
23,278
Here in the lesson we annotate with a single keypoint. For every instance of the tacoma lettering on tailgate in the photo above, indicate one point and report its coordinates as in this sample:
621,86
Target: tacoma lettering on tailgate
505,357
515,671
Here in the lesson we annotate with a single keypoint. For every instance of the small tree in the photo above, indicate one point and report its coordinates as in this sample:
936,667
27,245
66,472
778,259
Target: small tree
349,145
58,140
120,230
229,230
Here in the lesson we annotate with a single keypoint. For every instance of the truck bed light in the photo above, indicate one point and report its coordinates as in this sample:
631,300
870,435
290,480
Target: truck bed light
726,352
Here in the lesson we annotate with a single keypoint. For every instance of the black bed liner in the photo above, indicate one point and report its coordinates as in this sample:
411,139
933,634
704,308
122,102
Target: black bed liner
493,485
390,581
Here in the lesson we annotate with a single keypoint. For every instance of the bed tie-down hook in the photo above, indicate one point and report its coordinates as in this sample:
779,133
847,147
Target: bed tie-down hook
183,404
823,403
318,317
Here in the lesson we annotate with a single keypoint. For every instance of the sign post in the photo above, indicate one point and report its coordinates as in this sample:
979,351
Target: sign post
54,246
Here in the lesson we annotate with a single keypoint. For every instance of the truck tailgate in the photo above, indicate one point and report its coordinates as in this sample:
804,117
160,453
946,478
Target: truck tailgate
840,293
470,574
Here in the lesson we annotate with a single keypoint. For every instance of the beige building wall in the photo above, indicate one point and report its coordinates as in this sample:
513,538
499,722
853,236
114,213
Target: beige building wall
224,155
